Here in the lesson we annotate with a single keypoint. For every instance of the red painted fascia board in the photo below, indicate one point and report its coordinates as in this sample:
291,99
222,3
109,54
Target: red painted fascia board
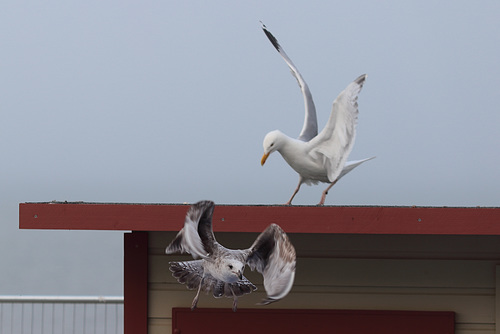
254,218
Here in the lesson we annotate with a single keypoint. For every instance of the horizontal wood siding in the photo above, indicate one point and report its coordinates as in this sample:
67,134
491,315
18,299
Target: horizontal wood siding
464,286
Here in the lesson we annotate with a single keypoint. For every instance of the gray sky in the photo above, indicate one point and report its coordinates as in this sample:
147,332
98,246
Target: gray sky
168,102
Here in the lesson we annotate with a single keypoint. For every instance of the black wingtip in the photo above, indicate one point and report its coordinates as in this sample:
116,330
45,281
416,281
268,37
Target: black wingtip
271,38
361,79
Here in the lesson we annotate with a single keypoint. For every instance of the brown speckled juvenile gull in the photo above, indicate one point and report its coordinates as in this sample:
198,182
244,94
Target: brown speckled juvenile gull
219,270
318,157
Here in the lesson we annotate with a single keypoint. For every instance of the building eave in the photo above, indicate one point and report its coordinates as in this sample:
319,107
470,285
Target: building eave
255,218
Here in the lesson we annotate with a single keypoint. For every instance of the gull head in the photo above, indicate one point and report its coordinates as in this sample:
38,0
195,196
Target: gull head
272,142
232,270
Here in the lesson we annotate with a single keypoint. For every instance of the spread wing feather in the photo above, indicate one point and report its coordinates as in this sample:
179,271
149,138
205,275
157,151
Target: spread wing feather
273,255
196,237
336,140
310,127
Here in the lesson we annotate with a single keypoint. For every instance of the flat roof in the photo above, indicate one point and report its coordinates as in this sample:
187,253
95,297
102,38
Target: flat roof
255,218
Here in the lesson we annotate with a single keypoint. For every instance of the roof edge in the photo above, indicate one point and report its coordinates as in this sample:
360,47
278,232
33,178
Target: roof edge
255,218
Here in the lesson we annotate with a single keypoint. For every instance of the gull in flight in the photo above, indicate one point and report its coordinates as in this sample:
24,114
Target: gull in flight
318,157
219,270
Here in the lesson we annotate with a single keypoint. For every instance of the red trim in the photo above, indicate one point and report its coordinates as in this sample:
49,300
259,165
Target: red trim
135,283
294,321
254,218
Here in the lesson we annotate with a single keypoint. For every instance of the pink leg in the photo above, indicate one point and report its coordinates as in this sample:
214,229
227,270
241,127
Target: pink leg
294,193
195,300
235,300
323,196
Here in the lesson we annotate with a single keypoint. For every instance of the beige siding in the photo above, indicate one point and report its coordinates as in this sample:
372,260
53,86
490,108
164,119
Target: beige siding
467,287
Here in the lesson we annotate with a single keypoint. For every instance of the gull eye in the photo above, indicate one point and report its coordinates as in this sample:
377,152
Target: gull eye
272,144
230,266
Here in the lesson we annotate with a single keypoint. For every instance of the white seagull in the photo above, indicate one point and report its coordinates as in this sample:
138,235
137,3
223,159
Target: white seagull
220,270
318,157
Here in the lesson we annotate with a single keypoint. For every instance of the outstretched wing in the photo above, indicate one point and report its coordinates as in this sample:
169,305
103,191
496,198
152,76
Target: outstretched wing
196,237
273,255
336,140
310,128
191,273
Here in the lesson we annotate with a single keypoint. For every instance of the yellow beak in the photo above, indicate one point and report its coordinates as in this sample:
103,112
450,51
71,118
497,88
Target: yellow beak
264,158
